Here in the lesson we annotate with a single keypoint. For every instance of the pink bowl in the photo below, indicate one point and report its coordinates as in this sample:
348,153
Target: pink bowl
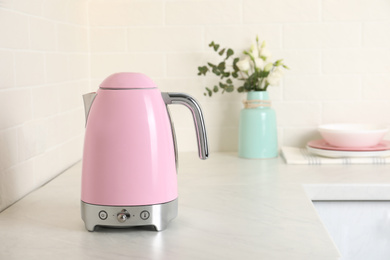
352,135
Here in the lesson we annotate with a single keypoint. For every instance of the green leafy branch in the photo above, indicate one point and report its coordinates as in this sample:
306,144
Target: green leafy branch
254,69
226,75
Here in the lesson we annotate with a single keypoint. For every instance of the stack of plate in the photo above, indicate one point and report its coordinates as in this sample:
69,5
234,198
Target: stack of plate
351,140
322,148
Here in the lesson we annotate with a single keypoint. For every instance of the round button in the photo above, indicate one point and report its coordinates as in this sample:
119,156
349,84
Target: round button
122,217
103,215
145,215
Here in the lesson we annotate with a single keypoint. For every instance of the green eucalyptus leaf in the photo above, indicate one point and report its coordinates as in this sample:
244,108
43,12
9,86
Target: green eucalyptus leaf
247,86
215,89
229,53
216,47
229,88
202,70
221,52
240,89
229,81
209,91
211,65
235,64
211,44
216,71
221,66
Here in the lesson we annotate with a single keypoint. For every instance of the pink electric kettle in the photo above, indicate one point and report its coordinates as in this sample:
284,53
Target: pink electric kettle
130,154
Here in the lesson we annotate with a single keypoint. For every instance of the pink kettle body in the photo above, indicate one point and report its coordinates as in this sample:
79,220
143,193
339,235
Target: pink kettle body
129,173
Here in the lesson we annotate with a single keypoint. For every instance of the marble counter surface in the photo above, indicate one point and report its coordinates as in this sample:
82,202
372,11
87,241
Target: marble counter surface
229,208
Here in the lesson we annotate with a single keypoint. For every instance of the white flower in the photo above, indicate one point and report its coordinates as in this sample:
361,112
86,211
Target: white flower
273,80
259,63
279,71
265,53
275,76
244,65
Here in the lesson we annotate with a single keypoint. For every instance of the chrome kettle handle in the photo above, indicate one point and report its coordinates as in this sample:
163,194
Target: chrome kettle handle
196,111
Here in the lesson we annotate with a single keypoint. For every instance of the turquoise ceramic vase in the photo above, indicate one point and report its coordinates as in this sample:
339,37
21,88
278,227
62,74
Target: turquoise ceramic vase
257,129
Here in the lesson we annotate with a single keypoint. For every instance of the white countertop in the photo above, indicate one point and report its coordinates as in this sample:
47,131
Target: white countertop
229,208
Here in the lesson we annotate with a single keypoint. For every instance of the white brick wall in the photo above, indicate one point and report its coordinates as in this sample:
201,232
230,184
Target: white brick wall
338,51
281,11
43,71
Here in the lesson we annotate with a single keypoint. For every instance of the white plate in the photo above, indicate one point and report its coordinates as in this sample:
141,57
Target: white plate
351,154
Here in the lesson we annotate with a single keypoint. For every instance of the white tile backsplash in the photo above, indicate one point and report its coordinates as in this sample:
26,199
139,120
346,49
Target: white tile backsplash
195,12
297,113
352,10
374,112
29,68
52,12
183,64
279,11
31,139
43,47
376,87
99,42
15,107
45,100
69,96
322,87
300,61
103,65
124,13
42,34
322,35
9,152
72,38
7,79
56,67
238,36
29,7
376,34
78,66
17,35
356,61
164,39
51,52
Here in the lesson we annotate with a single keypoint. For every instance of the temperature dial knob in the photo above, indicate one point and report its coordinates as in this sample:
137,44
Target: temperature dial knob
123,216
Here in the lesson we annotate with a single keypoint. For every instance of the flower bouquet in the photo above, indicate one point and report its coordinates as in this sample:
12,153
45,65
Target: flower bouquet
255,69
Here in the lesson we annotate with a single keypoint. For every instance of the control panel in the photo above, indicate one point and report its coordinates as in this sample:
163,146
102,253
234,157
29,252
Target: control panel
157,215
123,215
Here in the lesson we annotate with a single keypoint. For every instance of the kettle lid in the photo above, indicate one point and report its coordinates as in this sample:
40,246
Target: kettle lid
127,80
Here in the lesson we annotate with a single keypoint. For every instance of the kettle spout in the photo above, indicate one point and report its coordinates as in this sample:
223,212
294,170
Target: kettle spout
88,100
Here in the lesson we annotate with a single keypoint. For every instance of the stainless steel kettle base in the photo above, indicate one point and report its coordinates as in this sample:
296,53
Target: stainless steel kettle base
158,215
